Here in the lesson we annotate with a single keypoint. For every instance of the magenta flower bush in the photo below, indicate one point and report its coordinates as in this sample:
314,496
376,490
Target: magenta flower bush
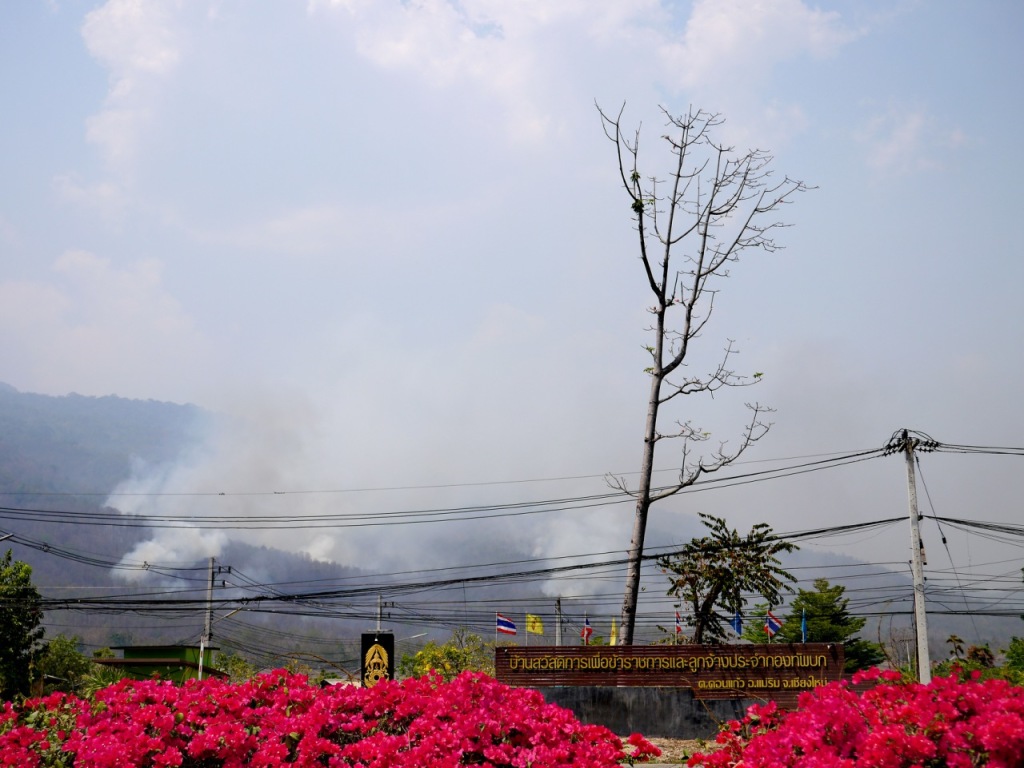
950,723
280,719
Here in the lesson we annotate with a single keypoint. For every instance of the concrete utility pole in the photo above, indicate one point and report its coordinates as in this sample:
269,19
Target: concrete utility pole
907,444
208,628
558,621
381,605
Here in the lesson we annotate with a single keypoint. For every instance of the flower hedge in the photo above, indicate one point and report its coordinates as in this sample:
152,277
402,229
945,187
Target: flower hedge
951,723
280,718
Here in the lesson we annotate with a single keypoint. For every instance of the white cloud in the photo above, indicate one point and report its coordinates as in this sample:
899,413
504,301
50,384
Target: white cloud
314,229
136,40
732,42
895,140
729,51
505,51
97,329
105,200
447,48
906,139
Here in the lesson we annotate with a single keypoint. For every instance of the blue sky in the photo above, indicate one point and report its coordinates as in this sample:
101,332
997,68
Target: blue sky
386,240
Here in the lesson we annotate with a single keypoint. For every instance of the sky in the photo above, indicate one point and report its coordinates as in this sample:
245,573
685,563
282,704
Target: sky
387,243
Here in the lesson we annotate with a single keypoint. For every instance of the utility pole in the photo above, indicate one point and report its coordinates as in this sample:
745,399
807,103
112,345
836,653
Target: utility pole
208,628
381,605
907,444
558,621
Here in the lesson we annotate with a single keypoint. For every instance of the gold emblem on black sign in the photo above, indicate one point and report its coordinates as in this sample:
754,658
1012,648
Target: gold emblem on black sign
375,665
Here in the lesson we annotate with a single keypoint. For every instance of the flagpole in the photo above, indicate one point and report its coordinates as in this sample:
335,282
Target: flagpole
495,629
526,626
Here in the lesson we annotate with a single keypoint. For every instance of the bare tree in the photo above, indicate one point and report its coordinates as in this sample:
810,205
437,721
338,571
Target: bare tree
714,205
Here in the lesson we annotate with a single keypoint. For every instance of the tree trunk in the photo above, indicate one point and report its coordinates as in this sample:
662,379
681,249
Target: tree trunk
643,506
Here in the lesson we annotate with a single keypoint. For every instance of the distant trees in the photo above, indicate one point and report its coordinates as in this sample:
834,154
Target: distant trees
20,630
463,652
1015,654
826,613
710,574
829,621
61,666
691,227
980,661
237,667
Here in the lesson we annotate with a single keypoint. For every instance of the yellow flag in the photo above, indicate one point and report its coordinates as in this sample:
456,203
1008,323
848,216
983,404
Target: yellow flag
534,625
615,634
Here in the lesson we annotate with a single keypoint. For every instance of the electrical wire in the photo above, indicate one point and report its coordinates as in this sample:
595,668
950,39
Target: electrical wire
407,517
945,543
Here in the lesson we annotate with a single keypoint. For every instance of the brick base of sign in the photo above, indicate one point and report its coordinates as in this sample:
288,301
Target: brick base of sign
669,713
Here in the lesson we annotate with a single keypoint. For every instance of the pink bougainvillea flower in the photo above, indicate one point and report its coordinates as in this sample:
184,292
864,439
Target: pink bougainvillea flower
950,722
279,718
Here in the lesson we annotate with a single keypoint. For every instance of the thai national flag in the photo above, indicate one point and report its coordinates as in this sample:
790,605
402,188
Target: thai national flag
679,624
505,625
771,624
587,632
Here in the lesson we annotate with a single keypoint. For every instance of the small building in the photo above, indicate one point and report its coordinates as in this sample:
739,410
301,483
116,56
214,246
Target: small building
165,662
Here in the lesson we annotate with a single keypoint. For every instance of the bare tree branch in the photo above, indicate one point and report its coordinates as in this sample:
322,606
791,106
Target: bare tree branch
714,205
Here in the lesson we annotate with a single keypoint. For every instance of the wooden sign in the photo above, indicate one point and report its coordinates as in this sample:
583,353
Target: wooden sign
773,671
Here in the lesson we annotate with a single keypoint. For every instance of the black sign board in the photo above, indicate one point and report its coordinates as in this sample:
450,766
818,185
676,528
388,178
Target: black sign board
377,660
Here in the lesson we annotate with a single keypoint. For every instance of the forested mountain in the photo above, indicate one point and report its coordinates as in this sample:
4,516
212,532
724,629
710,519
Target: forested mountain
76,444
68,453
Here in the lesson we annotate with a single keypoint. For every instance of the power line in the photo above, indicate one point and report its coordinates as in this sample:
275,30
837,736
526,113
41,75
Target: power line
405,517
830,456
397,589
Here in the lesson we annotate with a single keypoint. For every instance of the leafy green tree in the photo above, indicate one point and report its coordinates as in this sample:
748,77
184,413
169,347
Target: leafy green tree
238,668
753,624
20,630
710,574
1015,654
99,677
463,652
62,666
829,621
